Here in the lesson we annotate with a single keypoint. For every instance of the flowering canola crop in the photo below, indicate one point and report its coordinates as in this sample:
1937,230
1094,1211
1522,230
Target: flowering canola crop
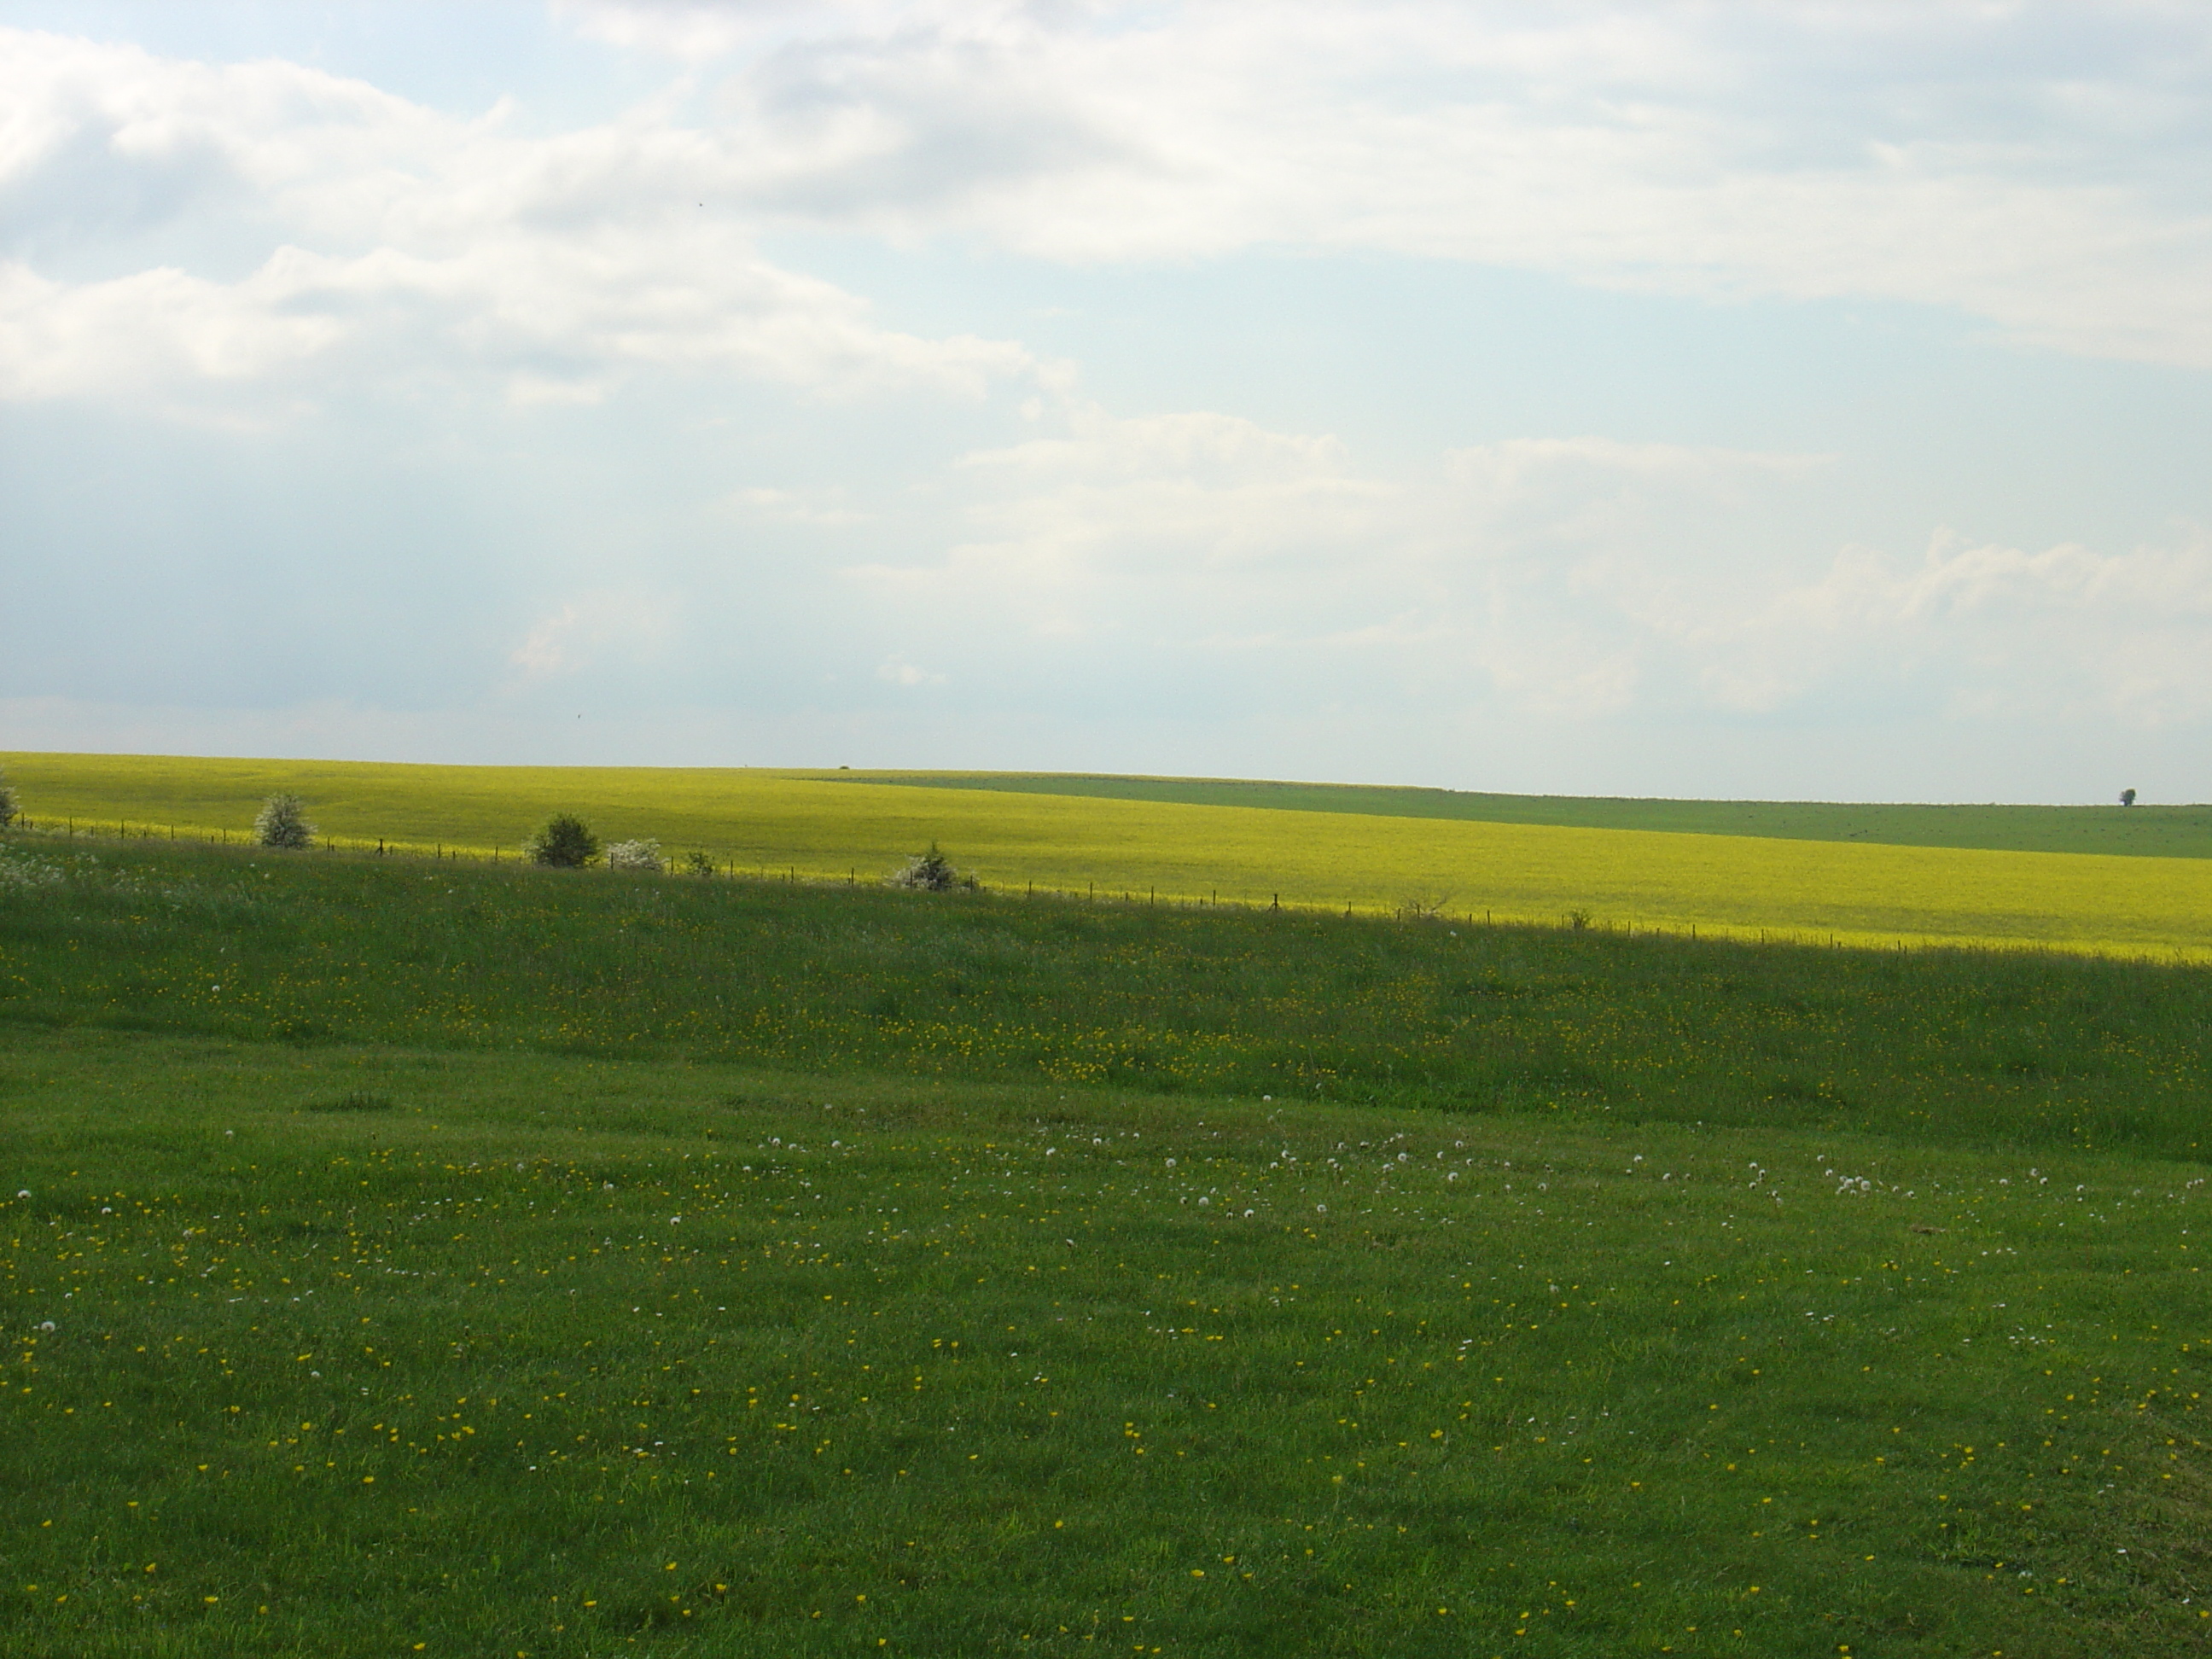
841,826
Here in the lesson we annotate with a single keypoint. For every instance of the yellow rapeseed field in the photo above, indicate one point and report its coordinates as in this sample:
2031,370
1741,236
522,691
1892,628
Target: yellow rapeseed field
838,825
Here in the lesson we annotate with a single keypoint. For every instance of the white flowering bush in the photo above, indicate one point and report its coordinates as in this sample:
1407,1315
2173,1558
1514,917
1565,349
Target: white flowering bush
930,872
635,855
283,823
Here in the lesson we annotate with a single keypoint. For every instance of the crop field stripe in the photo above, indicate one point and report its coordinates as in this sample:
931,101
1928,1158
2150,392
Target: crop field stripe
766,822
2141,831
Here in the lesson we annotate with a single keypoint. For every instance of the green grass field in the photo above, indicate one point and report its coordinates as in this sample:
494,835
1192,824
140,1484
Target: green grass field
412,1255
823,825
2037,1051
547,1357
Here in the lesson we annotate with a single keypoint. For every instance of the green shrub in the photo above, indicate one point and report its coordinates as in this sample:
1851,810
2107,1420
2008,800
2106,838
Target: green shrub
563,842
8,805
699,864
283,822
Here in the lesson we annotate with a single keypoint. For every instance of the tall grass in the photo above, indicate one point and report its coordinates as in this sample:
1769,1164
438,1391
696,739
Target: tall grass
1999,1048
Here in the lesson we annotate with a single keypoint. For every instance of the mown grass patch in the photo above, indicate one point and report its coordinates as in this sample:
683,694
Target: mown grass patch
572,1356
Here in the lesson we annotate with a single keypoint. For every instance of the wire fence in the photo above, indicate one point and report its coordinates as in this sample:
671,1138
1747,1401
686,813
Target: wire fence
693,864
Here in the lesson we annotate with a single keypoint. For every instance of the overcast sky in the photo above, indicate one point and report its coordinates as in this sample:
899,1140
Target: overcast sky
1777,400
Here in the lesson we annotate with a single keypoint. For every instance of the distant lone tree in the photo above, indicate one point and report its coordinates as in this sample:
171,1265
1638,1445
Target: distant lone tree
563,842
283,822
2127,798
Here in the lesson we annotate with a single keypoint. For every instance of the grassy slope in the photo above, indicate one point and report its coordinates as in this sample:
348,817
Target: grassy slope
2139,831
2038,1051
1863,894
567,1358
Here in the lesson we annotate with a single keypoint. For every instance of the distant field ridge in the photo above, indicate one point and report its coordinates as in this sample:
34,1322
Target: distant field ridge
2176,832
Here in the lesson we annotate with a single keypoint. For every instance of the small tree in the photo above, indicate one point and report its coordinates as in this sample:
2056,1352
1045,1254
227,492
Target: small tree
2127,798
8,805
634,855
563,842
699,864
930,872
283,822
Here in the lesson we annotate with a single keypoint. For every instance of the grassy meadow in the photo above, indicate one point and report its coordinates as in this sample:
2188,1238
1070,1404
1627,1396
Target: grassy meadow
402,1254
826,825
364,1351
2035,1050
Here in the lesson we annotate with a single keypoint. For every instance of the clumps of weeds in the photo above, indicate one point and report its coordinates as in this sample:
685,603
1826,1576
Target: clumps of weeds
357,1100
1421,910
22,873
930,872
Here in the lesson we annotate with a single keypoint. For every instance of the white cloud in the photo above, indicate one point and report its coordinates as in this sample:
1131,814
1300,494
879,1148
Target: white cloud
896,671
1118,526
395,245
1568,580
1217,541
696,31
2031,164
1992,632
789,507
594,626
153,328
2020,164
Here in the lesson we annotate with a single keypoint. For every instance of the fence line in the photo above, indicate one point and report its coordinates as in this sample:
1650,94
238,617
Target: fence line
1573,919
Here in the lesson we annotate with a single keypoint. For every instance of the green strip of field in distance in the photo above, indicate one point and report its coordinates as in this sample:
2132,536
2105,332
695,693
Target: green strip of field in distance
2183,831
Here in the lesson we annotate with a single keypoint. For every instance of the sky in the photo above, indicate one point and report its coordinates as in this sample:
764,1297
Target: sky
1754,400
